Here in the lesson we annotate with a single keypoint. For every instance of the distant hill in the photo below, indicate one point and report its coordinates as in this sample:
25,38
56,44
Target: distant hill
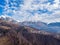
54,24
15,34
52,27
37,25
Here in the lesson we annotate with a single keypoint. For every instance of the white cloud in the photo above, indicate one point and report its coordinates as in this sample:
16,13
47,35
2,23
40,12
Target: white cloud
21,13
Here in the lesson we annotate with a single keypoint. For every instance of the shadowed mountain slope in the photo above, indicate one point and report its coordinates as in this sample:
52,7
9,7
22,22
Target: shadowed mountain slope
14,34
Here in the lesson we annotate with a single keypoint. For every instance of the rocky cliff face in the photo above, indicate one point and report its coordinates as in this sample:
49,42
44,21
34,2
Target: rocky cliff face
14,34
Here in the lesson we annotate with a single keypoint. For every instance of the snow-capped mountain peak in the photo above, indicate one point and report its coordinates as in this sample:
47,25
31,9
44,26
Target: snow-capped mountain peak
8,18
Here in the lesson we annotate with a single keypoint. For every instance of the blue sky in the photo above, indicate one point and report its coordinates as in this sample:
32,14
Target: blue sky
31,10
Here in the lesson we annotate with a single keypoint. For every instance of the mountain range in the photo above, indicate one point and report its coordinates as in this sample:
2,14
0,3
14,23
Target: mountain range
51,27
26,34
